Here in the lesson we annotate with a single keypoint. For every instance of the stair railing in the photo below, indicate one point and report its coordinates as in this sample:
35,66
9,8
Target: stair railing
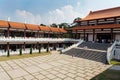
72,46
110,51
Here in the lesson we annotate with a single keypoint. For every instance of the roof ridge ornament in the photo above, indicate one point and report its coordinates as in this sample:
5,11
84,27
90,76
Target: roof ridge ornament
90,11
8,18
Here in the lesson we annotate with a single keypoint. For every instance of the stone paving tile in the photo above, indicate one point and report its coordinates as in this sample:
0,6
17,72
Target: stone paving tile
28,77
27,63
63,71
63,61
20,63
34,79
55,63
4,64
17,73
81,75
57,69
45,66
1,70
37,73
32,69
68,78
79,78
4,76
20,78
44,72
71,75
40,77
50,76
7,68
57,79
88,77
72,71
61,75
45,79
80,71
15,67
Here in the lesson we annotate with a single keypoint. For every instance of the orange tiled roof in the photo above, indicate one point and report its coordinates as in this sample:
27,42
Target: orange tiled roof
44,28
106,26
4,24
17,25
62,30
53,29
106,13
32,27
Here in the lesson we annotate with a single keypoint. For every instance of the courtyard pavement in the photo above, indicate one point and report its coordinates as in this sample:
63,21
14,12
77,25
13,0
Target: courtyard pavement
51,67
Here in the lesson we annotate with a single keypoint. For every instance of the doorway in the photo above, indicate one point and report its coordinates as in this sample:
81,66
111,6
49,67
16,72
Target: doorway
104,37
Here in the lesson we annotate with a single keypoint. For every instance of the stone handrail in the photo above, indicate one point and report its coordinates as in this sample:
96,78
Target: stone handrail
73,46
118,42
35,40
110,51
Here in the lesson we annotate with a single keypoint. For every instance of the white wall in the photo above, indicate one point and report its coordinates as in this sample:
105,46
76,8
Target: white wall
90,37
117,37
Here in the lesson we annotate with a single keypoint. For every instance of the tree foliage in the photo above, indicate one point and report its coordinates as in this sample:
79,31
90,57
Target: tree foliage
54,25
76,19
42,25
64,25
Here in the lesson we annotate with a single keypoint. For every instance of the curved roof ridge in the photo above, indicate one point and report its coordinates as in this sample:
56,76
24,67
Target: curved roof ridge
105,13
105,9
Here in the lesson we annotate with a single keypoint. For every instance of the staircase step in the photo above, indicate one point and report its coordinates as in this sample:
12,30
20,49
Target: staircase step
87,54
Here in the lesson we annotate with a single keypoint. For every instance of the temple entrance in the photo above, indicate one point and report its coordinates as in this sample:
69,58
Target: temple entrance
104,37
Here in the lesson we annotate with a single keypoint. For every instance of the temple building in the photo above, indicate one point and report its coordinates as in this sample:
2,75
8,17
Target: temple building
99,26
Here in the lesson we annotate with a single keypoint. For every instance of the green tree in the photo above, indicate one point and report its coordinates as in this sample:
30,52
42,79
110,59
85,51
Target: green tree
20,51
8,53
42,25
39,49
47,49
31,50
64,25
76,19
54,25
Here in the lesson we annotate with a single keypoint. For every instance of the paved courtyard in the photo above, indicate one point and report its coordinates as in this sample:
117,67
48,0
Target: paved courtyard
50,67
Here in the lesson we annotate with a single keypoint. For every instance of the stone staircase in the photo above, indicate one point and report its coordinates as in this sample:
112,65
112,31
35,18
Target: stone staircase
98,46
91,51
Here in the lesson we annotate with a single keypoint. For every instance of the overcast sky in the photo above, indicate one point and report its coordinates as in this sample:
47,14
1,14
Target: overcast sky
51,11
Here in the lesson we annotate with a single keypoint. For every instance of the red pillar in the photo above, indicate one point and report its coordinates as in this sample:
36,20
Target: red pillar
8,52
87,37
38,34
111,34
37,45
24,46
93,34
84,34
62,35
25,33
48,47
80,35
44,35
76,36
8,32
48,34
